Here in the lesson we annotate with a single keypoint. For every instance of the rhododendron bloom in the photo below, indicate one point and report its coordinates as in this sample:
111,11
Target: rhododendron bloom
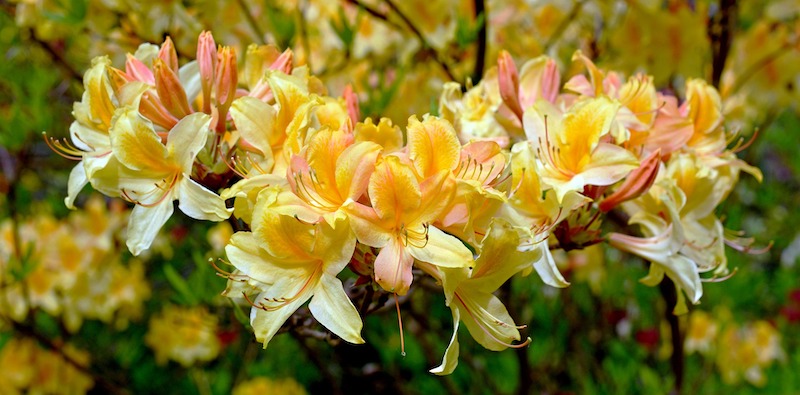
153,175
399,222
285,262
570,148
469,294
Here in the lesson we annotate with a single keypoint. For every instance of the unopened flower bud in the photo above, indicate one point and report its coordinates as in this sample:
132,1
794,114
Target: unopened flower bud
637,183
508,79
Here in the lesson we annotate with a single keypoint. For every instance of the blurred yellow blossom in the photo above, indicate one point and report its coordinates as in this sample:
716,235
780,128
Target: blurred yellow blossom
25,368
187,335
263,386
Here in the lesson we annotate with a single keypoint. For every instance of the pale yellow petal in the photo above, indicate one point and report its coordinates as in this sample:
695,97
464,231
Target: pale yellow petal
333,309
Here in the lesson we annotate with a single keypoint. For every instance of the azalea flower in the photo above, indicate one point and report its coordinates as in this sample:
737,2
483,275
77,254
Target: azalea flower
153,175
469,293
399,222
285,262
570,146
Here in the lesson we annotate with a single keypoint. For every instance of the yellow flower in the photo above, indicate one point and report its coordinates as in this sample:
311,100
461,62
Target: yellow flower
399,221
701,334
469,293
569,145
285,262
153,175
263,385
184,335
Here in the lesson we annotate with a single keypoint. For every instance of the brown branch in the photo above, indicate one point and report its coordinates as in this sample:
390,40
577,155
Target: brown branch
480,56
57,57
375,13
720,33
676,360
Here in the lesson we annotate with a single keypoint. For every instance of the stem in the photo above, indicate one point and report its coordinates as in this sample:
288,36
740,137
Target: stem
422,39
721,35
576,8
480,56
758,65
251,20
100,380
670,295
375,13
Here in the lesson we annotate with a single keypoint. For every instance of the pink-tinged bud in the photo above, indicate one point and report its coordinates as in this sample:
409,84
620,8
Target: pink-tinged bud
351,101
284,62
168,54
118,78
637,183
151,108
138,71
550,81
227,77
170,91
207,62
508,79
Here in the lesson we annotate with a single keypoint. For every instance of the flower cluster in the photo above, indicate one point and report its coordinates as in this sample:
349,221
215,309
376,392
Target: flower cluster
518,165
741,351
70,268
184,335
25,368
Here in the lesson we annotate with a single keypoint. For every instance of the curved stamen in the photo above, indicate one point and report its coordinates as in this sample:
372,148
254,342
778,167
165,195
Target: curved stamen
283,301
64,149
488,331
158,187
717,279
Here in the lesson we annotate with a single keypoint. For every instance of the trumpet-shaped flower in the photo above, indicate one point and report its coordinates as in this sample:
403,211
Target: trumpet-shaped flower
286,262
470,297
570,148
153,175
330,171
399,222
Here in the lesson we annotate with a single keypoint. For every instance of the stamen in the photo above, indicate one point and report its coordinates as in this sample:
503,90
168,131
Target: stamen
64,149
400,324
716,279
232,164
488,332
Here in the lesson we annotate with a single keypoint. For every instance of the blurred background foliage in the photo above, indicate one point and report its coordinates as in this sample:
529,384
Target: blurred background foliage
79,314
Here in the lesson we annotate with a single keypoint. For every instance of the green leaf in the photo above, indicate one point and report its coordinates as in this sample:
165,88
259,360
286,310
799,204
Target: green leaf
180,285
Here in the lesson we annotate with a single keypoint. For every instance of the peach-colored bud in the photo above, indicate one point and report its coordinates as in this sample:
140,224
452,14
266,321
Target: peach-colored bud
284,62
170,91
351,101
151,108
207,62
550,81
168,54
508,79
138,71
118,78
227,77
637,183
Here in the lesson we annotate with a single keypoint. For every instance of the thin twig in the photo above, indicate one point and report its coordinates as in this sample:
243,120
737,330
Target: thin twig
376,13
758,65
104,383
251,20
57,57
562,27
422,39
